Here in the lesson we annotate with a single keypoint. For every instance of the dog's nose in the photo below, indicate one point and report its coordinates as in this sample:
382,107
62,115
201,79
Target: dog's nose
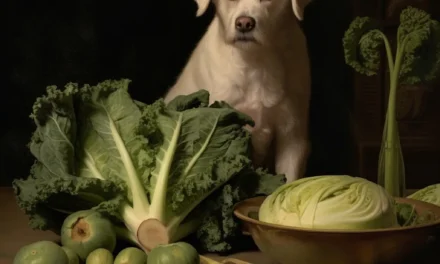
244,24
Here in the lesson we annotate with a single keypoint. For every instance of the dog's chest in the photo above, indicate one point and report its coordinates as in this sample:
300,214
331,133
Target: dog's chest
254,88
254,92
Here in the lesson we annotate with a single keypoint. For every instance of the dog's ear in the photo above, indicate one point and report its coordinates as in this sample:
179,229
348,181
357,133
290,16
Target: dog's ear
298,7
202,5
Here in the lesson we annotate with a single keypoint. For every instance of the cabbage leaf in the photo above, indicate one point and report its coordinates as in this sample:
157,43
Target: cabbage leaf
97,148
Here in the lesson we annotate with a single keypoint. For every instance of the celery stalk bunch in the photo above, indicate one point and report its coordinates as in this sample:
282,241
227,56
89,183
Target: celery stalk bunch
414,60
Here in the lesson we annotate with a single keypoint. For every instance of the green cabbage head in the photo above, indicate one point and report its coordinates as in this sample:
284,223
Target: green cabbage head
330,202
429,194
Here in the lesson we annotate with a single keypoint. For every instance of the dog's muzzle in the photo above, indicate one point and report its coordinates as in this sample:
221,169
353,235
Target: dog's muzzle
244,25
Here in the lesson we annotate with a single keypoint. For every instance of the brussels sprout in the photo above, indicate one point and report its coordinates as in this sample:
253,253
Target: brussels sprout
71,255
177,253
42,252
85,231
100,256
131,255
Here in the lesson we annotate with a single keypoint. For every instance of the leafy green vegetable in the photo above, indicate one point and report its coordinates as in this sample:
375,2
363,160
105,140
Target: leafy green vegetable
429,194
416,60
158,172
330,202
220,232
408,216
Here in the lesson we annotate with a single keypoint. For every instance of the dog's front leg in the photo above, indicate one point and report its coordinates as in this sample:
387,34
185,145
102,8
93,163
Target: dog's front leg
261,140
291,153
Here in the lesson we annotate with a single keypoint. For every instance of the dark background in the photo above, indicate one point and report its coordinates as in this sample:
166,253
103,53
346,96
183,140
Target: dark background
87,41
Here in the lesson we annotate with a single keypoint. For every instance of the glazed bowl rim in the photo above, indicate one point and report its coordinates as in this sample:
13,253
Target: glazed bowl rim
244,205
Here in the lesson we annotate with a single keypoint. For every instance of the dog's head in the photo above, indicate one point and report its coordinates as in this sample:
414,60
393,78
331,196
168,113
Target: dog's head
247,23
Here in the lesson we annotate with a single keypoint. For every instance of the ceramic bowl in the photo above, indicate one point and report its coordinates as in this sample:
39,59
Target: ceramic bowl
288,245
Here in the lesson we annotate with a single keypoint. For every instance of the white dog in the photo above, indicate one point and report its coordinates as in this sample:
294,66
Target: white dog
254,57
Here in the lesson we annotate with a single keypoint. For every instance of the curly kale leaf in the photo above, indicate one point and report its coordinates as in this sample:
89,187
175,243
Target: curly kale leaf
362,42
419,40
220,231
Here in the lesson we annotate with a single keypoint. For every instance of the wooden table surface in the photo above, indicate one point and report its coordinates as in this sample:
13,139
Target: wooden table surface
15,233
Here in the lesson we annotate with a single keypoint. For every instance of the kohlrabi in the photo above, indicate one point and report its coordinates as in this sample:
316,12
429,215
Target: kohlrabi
330,202
87,230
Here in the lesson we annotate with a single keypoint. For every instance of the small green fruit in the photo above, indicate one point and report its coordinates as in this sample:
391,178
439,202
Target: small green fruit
131,255
71,255
100,256
85,231
177,253
42,252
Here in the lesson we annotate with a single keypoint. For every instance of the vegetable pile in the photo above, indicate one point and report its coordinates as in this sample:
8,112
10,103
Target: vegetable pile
415,60
48,252
158,173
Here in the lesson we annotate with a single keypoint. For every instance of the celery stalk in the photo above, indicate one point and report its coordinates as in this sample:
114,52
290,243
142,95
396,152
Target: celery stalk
391,169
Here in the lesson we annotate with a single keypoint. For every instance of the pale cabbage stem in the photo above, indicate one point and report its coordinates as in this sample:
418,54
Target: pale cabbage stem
131,220
140,202
158,202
